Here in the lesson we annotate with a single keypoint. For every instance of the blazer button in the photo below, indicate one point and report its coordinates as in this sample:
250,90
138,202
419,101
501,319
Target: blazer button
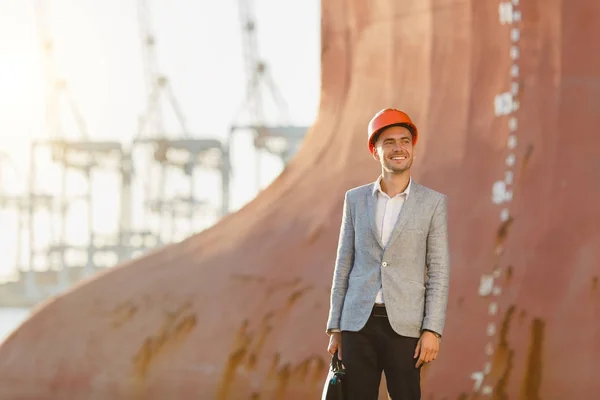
384,264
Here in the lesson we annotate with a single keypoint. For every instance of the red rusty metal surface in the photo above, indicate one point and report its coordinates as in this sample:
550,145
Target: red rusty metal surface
239,311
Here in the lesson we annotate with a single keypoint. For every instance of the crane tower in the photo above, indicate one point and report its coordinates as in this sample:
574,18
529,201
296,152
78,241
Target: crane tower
274,135
172,211
67,152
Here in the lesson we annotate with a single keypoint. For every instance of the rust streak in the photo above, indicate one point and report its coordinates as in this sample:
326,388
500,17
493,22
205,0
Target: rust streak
509,273
527,157
320,369
270,287
172,332
262,338
311,369
283,377
524,164
503,231
236,357
503,359
251,364
530,388
274,364
123,313
296,295
302,369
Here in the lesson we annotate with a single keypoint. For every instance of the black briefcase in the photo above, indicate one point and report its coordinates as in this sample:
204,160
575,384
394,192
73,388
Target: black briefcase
335,385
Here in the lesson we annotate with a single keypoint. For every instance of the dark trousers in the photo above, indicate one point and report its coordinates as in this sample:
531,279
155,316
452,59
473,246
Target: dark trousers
376,348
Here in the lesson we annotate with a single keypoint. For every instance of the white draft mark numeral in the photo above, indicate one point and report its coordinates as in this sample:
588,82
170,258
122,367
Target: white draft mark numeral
504,104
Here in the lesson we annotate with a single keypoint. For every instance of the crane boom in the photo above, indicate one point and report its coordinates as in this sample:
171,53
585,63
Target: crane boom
55,85
157,84
257,73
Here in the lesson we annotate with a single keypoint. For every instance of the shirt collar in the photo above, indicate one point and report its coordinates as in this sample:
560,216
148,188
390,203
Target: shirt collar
377,187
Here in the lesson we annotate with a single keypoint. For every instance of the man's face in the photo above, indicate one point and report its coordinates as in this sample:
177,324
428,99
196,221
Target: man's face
394,149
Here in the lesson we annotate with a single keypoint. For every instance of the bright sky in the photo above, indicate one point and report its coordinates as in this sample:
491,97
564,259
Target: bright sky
97,49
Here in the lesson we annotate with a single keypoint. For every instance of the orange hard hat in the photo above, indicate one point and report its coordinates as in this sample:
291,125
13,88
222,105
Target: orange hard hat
388,117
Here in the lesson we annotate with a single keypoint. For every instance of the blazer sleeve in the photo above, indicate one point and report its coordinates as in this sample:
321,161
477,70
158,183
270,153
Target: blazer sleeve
438,269
343,265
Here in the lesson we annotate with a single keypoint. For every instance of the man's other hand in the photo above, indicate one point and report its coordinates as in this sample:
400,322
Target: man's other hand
427,349
335,343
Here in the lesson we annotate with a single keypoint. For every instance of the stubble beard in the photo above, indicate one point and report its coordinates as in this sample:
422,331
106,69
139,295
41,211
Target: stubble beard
397,170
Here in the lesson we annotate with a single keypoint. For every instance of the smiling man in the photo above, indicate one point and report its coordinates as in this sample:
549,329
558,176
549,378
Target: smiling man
390,283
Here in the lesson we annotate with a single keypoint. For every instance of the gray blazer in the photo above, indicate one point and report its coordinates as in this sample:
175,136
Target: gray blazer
414,267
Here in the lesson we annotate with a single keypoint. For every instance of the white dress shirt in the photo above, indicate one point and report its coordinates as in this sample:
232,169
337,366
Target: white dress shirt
386,215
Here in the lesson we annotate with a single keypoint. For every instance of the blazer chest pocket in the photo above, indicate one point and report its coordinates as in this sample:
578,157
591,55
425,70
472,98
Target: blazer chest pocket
413,232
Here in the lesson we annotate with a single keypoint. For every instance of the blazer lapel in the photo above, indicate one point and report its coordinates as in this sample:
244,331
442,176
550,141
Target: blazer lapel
406,212
371,210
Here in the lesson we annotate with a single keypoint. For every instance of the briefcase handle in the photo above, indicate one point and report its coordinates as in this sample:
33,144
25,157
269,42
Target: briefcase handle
336,363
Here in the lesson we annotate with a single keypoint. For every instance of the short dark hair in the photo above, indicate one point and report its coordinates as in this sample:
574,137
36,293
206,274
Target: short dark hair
404,125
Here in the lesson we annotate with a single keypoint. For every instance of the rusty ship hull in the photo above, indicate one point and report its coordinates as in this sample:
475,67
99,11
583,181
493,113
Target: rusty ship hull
507,102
